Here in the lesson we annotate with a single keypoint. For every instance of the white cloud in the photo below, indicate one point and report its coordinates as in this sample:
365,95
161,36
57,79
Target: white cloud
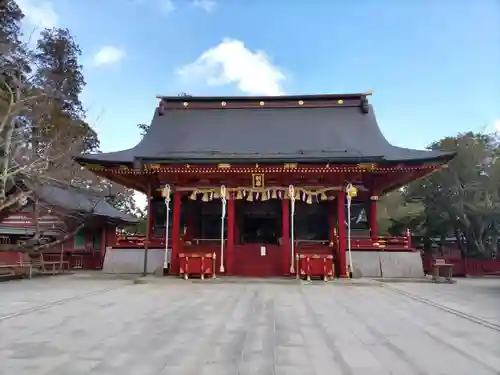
140,200
496,125
230,62
40,14
108,55
167,6
206,5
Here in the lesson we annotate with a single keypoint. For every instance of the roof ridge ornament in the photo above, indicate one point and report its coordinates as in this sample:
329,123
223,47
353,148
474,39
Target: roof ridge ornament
365,106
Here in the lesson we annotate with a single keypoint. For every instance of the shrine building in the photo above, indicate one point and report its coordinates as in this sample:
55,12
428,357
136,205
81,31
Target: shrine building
256,186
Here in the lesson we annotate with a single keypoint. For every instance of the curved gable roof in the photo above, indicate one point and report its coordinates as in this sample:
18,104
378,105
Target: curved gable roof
326,134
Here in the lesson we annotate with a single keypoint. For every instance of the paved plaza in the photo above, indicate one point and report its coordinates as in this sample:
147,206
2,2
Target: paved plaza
86,325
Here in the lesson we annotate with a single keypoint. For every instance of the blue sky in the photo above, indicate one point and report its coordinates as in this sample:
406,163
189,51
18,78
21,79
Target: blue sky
434,66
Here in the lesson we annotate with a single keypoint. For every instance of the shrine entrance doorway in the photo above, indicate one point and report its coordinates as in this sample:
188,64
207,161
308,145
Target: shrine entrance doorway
258,251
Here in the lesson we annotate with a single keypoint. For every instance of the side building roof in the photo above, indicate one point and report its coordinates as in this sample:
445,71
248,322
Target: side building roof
314,128
85,202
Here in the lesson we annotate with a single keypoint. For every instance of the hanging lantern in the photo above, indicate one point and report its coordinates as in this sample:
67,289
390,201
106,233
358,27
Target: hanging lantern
165,192
351,191
193,196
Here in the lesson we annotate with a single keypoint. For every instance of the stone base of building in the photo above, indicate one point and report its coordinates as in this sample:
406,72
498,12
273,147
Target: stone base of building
397,264
131,261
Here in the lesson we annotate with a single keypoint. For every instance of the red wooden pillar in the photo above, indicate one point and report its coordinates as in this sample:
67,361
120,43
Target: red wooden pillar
110,235
230,236
176,230
372,217
342,233
285,234
150,214
332,220
102,250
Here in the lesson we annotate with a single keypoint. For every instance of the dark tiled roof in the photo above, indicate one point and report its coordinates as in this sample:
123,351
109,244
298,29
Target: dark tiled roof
334,134
79,200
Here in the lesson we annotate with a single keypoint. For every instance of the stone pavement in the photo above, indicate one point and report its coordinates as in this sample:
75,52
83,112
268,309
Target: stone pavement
68,325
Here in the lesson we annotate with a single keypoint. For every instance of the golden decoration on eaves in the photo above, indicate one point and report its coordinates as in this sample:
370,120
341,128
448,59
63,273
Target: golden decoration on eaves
328,168
307,195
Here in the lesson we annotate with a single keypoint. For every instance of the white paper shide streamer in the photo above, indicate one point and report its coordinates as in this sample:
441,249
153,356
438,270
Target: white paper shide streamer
351,192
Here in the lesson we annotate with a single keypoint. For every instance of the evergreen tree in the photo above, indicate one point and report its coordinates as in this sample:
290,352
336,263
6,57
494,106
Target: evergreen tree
59,72
59,75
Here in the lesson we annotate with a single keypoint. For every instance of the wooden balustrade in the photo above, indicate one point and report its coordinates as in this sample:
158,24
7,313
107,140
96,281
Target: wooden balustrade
383,243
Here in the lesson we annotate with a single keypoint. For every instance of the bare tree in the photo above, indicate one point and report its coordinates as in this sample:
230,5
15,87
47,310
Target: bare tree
31,150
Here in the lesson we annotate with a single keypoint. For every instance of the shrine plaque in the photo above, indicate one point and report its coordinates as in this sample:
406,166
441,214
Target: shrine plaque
258,180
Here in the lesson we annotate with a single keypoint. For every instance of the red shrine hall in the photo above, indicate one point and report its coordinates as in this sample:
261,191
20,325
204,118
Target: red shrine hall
256,186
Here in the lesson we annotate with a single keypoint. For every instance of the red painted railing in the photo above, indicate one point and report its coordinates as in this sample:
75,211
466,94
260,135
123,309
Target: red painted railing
380,243
357,242
462,267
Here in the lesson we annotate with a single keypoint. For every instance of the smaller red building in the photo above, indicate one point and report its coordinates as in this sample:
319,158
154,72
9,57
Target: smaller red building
81,225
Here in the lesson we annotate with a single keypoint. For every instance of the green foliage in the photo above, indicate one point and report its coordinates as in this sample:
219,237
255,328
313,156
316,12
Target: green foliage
144,128
462,200
395,214
59,72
